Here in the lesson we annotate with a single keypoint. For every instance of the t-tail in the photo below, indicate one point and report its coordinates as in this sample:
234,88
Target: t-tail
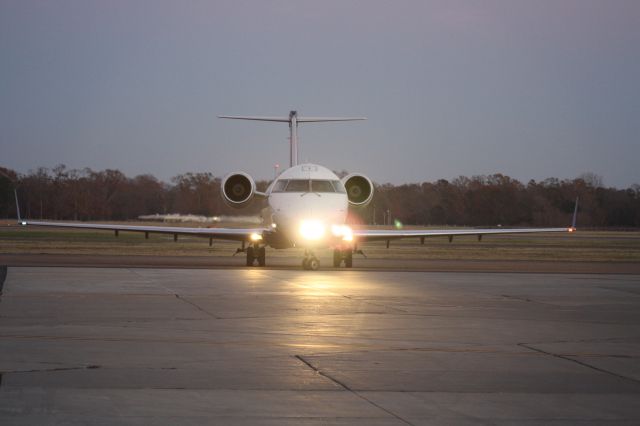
293,121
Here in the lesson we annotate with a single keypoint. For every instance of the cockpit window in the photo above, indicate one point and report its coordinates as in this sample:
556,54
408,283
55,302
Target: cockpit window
298,185
280,185
339,187
304,185
322,186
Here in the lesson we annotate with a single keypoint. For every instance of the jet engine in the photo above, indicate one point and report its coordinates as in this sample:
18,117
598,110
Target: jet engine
238,189
359,189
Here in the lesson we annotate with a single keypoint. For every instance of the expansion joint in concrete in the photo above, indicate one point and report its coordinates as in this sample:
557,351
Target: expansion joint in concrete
584,364
347,388
196,306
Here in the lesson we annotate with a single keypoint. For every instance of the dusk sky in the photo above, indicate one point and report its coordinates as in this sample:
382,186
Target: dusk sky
531,89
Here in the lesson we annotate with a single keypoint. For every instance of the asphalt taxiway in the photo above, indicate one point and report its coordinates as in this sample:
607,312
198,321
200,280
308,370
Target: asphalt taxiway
274,346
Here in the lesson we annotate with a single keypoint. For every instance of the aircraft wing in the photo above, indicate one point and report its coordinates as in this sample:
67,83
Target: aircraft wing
392,234
234,234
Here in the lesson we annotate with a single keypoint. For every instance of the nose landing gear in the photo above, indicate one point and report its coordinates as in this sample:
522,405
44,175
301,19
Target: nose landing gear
310,261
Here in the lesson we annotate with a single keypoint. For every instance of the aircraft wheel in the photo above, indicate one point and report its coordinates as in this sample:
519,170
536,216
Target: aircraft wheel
348,259
250,256
337,258
313,264
261,256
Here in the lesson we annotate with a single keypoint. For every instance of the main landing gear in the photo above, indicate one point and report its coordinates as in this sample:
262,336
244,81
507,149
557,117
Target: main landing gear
340,255
256,252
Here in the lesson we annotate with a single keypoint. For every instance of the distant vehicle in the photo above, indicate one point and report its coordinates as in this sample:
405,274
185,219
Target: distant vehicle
306,207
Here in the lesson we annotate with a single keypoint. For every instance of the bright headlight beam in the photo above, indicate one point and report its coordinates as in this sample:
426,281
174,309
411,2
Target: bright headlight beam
312,229
342,231
255,237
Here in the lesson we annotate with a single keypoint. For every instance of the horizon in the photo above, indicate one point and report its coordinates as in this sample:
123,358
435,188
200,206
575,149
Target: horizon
590,178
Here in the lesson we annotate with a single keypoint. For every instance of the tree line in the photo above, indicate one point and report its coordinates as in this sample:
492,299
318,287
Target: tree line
488,200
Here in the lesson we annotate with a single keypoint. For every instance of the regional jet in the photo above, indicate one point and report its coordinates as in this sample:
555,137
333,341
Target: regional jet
305,206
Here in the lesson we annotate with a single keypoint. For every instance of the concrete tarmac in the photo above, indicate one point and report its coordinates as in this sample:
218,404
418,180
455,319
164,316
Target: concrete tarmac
294,263
289,347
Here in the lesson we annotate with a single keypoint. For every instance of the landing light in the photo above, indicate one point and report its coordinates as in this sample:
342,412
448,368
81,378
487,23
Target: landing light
342,231
311,229
255,237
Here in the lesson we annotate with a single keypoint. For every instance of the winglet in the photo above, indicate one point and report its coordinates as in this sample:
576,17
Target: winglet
575,215
20,221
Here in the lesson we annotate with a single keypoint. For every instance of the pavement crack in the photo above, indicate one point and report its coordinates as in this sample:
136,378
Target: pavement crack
323,374
582,363
623,290
525,299
347,388
196,306
379,305
50,370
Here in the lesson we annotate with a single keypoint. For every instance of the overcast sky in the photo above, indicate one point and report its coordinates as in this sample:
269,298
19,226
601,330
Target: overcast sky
531,89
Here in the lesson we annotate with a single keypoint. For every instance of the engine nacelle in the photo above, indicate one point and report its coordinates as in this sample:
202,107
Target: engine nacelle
238,189
359,189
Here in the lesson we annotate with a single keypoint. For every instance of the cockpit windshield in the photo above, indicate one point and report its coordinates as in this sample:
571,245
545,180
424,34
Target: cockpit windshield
339,186
322,186
306,185
280,185
298,185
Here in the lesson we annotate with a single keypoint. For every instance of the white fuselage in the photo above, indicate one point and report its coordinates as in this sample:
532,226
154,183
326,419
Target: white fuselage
307,203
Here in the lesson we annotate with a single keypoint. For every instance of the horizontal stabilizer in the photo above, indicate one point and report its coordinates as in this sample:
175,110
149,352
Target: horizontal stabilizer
293,121
288,119
242,117
326,119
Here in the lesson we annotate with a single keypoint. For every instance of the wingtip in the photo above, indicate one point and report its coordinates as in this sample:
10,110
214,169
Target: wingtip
575,215
20,221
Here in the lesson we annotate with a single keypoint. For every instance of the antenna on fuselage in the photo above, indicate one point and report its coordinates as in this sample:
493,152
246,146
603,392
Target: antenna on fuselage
293,121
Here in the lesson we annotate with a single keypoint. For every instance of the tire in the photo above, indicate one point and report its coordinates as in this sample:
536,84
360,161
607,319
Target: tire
313,264
305,263
250,256
348,259
337,258
261,256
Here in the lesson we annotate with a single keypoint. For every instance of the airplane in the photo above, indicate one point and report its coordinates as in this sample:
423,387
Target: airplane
306,207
